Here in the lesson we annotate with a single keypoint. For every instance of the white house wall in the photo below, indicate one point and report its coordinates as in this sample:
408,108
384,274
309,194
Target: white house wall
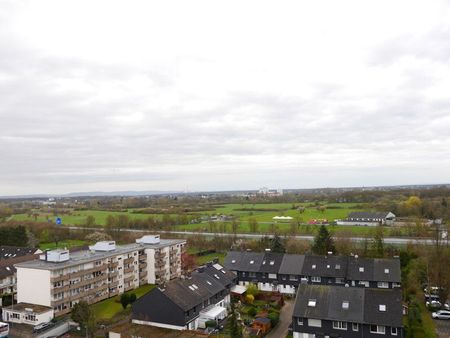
27,282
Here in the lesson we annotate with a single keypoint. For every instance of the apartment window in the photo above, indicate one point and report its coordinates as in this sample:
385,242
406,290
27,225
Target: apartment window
314,322
339,325
272,275
15,315
292,277
377,329
394,331
366,284
383,285
283,277
300,321
339,280
315,279
355,326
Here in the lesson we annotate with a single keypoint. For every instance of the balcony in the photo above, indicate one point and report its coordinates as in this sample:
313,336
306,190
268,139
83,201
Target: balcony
160,255
113,274
128,279
128,270
128,260
63,288
113,265
142,265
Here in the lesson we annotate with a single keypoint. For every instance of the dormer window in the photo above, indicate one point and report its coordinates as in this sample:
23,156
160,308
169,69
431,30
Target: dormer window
345,304
312,303
382,308
386,271
313,266
361,269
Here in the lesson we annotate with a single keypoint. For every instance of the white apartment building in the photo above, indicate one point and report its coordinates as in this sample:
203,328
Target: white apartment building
60,279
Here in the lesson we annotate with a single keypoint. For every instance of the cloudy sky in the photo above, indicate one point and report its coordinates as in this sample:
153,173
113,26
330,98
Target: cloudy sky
208,95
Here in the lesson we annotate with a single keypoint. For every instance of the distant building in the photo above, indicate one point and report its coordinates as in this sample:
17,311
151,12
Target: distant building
187,304
333,311
64,278
368,218
270,192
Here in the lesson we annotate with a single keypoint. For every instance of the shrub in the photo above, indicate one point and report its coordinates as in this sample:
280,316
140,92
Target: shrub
252,311
250,299
274,318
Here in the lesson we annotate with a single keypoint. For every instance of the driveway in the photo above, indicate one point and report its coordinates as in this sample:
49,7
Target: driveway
281,330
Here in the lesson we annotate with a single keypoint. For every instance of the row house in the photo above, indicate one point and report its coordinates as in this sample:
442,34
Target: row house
332,311
187,304
285,272
105,270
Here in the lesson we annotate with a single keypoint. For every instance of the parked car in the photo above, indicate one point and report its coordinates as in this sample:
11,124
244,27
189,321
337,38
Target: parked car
434,303
441,314
41,326
429,297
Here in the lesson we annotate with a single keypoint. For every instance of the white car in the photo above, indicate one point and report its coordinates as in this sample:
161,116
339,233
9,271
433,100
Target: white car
441,314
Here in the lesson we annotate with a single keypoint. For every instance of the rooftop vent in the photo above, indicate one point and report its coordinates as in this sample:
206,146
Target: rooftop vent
312,303
345,304
361,269
55,256
103,246
386,271
149,239
382,308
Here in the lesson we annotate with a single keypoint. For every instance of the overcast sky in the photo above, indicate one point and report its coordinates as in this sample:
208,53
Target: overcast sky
209,95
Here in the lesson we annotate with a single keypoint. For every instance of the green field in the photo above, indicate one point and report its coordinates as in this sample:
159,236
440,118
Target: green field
108,308
263,213
79,217
70,243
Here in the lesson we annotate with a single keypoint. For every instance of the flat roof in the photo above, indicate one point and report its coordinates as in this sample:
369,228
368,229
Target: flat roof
23,307
86,256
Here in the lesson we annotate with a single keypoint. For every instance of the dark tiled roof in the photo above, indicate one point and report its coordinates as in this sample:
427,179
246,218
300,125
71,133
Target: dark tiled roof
366,214
7,270
391,298
363,304
292,264
193,291
325,266
271,262
8,252
244,261
387,270
223,276
360,269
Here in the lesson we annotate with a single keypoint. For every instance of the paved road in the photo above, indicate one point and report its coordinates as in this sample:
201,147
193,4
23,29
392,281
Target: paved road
281,330
442,328
387,240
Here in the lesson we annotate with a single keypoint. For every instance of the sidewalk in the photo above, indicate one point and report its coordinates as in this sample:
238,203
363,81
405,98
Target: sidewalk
281,330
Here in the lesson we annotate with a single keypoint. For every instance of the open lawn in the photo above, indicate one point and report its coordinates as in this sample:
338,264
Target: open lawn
263,213
206,258
108,308
70,243
79,217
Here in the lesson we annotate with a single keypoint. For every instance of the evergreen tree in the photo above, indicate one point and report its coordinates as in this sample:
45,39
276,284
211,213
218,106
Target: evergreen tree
276,244
323,242
378,242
